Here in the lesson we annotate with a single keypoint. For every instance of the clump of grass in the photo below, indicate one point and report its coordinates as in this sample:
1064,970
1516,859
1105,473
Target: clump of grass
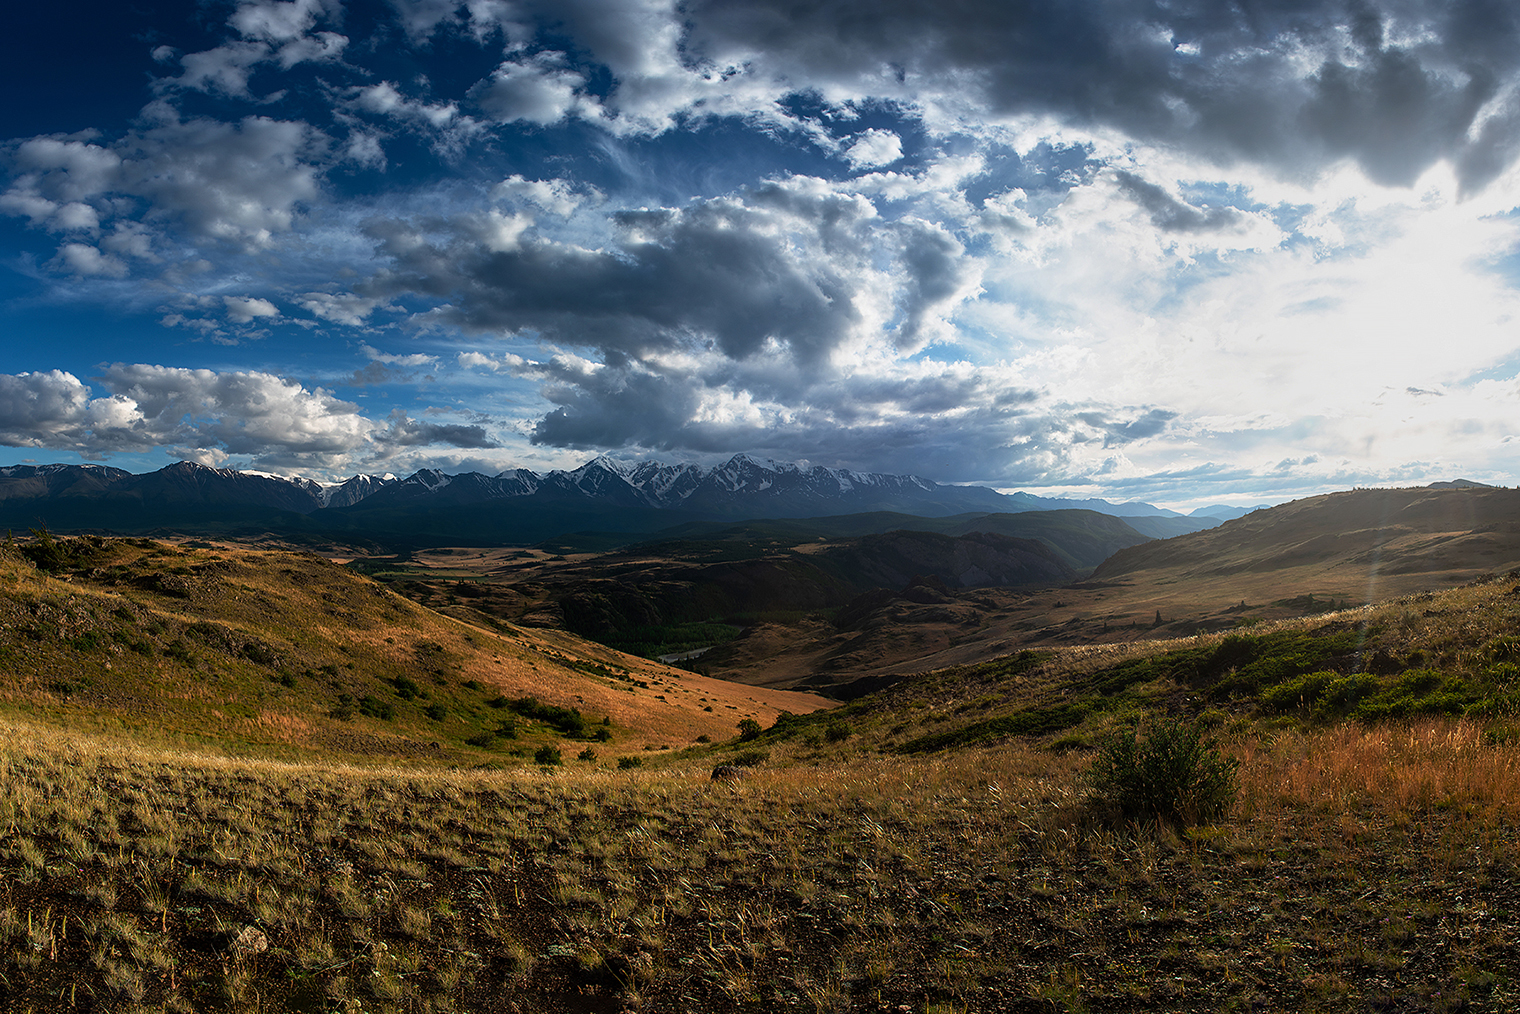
1175,775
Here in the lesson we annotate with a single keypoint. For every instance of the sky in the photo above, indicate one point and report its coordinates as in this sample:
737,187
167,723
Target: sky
1181,252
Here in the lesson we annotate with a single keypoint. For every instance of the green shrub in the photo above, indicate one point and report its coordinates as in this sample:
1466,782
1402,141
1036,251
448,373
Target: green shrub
569,721
45,552
625,763
748,729
1175,775
547,756
376,708
837,731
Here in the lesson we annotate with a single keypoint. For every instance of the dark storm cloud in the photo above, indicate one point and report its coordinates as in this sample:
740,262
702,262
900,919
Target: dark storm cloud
792,263
405,432
953,424
1117,432
1171,215
659,414
1394,86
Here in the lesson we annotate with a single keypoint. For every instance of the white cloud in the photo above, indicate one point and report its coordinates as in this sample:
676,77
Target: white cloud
41,409
83,259
383,99
874,148
341,308
273,31
541,89
245,309
497,364
411,359
237,183
209,416
1125,241
276,21
558,197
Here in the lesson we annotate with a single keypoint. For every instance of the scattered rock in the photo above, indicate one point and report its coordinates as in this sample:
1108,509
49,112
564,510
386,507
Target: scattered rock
250,941
728,773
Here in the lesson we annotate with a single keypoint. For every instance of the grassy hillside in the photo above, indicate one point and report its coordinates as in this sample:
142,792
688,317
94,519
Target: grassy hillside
286,654
927,848
1383,534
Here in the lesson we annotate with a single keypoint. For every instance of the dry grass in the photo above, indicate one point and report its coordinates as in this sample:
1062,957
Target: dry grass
278,653
1363,869
1422,765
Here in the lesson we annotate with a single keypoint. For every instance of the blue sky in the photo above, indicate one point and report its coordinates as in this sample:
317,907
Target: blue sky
1182,252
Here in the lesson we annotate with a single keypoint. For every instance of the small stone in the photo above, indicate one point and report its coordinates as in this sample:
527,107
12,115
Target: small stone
251,940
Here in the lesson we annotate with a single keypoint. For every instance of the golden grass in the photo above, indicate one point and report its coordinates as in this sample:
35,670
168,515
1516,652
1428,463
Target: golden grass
1363,866
267,651
1399,768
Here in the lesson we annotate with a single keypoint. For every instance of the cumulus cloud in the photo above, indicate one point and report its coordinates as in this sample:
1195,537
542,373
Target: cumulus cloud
252,414
272,31
558,197
952,421
83,259
448,129
401,432
1392,86
1079,240
541,89
245,309
389,359
795,263
874,148
41,409
339,308
238,183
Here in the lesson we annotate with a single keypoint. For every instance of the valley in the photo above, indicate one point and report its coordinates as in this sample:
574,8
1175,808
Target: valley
251,777
881,611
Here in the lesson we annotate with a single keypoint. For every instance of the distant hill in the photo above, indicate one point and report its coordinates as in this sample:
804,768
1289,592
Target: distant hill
1383,531
1460,484
1224,512
1082,539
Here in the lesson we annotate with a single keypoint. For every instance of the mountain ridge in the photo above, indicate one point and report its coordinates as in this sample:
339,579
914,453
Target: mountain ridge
742,488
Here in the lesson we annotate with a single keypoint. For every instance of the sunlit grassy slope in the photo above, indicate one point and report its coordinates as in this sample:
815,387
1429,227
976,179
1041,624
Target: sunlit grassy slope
287,653
925,849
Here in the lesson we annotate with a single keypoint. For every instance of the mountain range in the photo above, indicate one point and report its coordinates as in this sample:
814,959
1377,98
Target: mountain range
517,506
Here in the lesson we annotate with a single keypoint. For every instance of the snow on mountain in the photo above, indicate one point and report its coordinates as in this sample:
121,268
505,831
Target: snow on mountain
350,491
744,486
517,482
664,484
